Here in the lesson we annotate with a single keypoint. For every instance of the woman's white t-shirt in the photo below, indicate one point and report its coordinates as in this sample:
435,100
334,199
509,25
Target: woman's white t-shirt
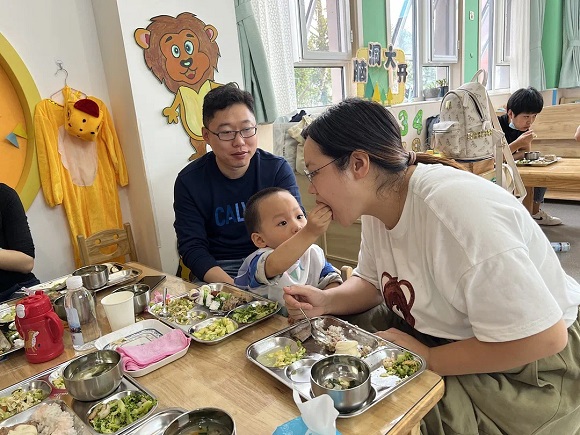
465,260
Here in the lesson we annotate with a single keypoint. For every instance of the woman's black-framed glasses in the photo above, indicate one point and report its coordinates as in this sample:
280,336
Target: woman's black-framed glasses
231,135
310,175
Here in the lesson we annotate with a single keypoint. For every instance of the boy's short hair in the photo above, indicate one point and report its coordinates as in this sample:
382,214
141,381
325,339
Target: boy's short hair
525,100
252,216
222,97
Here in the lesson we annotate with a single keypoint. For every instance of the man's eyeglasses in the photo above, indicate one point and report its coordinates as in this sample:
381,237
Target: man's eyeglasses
310,175
231,135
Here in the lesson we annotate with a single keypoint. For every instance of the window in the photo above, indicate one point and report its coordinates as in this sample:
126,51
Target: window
429,54
322,51
442,31
495,42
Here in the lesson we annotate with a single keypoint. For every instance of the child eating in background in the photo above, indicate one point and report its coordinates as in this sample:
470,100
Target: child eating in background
287,254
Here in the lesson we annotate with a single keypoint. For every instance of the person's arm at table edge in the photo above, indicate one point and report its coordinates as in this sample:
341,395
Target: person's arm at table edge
18,252
355,295
217,274
577,135
15,261
192,239
475,356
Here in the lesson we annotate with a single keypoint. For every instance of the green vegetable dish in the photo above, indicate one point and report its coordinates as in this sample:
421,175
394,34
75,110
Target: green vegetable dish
403,366
282,356
20,400
254,312
177,308
8,315
217,329
115,414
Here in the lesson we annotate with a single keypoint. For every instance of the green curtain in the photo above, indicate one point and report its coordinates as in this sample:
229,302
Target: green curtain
570,72
537,71
255,70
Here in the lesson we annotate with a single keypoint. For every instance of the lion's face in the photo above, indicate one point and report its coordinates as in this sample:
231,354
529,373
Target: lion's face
184,62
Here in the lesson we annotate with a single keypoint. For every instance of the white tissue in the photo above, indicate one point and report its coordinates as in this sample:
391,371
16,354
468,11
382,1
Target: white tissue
319,414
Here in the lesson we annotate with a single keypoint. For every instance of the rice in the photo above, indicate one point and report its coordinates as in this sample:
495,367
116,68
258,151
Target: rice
334,334
52,420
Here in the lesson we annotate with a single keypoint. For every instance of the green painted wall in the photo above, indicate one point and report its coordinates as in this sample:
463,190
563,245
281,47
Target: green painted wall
471,42
552,42
374,16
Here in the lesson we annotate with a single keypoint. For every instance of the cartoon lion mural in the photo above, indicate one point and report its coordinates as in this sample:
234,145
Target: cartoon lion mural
182,53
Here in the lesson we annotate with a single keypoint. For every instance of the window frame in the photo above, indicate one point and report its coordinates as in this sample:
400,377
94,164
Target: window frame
422,44
304,58
432,58
496,31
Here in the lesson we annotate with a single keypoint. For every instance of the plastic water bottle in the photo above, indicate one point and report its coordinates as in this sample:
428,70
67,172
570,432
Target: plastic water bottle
561,246
81,314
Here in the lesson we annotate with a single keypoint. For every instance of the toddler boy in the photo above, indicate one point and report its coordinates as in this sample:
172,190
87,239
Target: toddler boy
285,239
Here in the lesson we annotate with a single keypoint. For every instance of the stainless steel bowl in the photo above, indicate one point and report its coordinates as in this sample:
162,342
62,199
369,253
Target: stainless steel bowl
94,375
58,305
141,295
218,422
531,155
346,368
94,276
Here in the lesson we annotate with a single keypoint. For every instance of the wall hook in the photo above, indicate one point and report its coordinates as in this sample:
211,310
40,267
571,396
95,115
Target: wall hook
61,68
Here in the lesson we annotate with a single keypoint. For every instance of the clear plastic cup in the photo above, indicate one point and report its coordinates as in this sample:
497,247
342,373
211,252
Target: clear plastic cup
119,309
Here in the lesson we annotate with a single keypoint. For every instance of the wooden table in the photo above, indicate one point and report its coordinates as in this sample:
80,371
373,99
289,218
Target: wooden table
563,175
221,376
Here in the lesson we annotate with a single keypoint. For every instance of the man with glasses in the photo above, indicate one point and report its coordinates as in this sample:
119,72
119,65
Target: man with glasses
211,192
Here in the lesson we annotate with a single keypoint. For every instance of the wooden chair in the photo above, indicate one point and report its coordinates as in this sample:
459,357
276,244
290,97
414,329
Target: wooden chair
345,272
107,245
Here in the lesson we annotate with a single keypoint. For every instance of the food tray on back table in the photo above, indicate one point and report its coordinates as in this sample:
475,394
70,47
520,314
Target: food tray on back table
377,349
8,333
539,162
118,274
201,316
44,381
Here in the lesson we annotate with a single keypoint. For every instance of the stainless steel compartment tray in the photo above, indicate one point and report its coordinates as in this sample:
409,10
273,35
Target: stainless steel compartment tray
79,408
299,379
206,314
8,333
80,427
157,422
118,274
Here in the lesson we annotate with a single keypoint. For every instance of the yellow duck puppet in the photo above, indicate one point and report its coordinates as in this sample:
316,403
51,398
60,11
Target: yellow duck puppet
81,162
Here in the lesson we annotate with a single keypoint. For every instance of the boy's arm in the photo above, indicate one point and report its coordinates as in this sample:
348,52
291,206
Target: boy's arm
522,144
286,254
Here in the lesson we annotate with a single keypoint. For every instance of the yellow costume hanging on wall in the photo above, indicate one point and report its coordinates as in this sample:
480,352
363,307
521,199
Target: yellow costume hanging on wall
80,174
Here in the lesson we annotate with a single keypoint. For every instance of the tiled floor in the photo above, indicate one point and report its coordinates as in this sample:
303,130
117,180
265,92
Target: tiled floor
569,231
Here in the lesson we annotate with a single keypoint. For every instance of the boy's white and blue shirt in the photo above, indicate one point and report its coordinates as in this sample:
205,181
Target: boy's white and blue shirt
310,269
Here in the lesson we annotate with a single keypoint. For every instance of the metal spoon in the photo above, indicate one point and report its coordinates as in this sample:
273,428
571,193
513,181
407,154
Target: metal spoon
164,312
316,333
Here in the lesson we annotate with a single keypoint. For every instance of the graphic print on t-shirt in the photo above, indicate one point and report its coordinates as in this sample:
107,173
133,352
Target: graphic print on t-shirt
233,213
395,296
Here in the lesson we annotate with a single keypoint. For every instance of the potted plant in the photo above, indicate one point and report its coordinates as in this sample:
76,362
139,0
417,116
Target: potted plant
430,91
443,87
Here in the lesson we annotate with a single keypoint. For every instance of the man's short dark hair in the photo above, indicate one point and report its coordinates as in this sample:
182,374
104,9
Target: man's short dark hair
525,100
252,213
222,97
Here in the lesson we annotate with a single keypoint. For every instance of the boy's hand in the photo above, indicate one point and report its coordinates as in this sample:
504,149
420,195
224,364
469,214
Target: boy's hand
318,220
525,141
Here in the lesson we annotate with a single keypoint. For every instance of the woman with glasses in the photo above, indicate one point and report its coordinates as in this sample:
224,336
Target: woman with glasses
210,194
469,281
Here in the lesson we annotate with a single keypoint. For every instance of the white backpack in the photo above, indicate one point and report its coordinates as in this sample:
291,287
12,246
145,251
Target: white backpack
468,130
464,131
